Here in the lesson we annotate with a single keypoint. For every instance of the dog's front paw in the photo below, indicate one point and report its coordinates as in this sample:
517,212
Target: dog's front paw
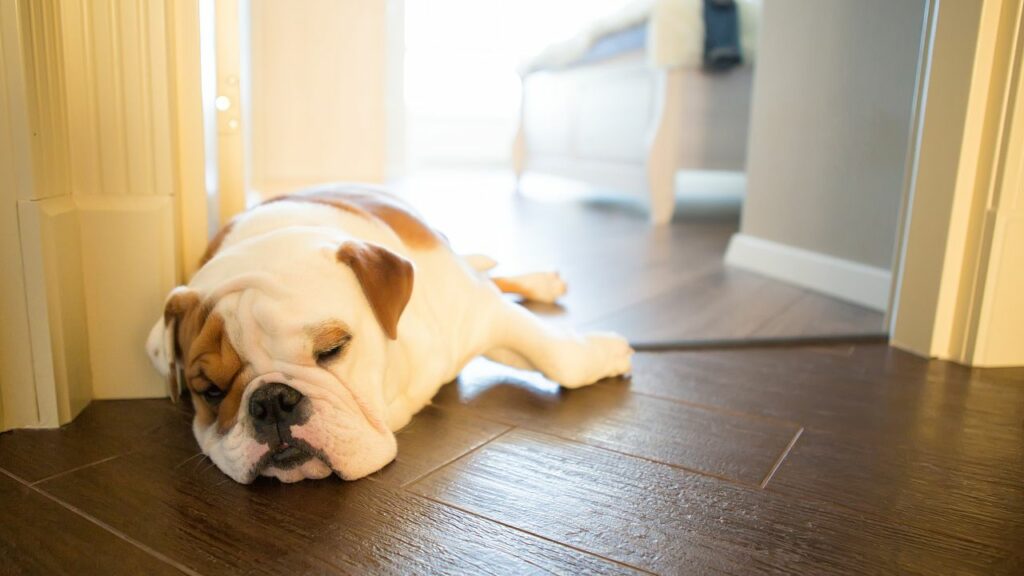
607,355
616,352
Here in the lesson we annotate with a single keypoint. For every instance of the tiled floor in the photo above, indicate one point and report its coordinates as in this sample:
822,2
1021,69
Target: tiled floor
841,459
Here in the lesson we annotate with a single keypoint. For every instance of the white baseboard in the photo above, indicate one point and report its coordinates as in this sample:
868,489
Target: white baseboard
711,185
844,279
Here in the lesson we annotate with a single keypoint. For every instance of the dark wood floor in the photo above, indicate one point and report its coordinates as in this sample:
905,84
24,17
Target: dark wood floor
655,285
853,459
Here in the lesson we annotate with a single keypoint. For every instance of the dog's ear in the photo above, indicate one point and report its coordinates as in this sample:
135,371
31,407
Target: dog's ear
182,303
386,279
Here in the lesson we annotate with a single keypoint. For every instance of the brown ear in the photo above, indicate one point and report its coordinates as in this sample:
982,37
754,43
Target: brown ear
178,310
386,279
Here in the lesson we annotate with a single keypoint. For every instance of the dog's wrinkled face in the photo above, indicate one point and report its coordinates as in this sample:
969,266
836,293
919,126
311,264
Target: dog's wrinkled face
286,369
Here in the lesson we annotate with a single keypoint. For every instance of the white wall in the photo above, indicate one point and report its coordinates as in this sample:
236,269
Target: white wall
830,125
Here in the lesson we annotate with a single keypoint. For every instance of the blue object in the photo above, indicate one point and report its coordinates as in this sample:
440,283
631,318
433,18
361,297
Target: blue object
721,35
611,45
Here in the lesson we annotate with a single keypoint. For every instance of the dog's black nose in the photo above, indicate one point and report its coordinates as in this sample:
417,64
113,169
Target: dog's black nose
274,402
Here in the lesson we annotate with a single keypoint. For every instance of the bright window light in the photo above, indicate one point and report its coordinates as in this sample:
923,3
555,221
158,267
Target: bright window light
462,87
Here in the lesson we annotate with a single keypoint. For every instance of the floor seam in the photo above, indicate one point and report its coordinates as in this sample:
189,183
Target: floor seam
534,534
695,471
718,409
409,484
883,519
712,268
781,458
76,469
732,481
708,407
14,476
104,526
797,298
749,343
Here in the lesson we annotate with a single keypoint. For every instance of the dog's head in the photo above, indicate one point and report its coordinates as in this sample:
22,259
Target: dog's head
282,343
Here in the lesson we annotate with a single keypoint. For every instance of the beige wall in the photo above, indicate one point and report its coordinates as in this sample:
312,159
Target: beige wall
318,92
829,125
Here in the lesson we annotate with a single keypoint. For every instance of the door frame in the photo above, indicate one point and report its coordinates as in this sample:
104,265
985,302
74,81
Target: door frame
54,207
945,264
18,394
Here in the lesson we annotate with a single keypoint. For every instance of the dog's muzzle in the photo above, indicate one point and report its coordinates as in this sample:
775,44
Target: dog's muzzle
274,409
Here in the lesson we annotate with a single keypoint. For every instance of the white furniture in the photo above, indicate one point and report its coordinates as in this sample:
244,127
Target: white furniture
630,122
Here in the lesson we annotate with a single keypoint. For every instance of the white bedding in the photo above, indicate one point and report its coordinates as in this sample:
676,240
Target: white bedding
675,34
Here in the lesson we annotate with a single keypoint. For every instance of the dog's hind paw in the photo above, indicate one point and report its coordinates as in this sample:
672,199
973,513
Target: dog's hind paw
543,287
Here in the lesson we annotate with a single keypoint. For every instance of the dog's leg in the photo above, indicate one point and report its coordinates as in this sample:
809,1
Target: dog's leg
522,340
509,358
544,287
480,262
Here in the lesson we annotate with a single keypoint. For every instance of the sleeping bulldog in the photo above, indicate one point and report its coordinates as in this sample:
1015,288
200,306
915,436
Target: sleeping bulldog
320,323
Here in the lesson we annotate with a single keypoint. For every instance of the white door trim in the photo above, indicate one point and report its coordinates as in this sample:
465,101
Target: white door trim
948,249
103,202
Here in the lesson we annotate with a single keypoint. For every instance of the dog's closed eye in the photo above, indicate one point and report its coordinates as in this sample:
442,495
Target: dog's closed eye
334,351
329,341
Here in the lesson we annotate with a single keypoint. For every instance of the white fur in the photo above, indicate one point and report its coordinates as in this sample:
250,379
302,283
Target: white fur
276,274
544,287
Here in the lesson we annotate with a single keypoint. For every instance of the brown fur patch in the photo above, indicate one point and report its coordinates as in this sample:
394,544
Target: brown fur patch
212,359
184,315
204,349
386,279
379,206
326,336
414,232
529,291
511,286
391,211
215,243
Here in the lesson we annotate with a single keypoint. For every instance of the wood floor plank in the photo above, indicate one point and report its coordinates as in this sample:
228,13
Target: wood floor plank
105,428
616,274
197,516
723,444
39,536
670,521
921,442
815,313
723,304
434,438
966,493
875,389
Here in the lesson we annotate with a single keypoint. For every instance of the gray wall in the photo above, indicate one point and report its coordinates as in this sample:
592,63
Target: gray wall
830,122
